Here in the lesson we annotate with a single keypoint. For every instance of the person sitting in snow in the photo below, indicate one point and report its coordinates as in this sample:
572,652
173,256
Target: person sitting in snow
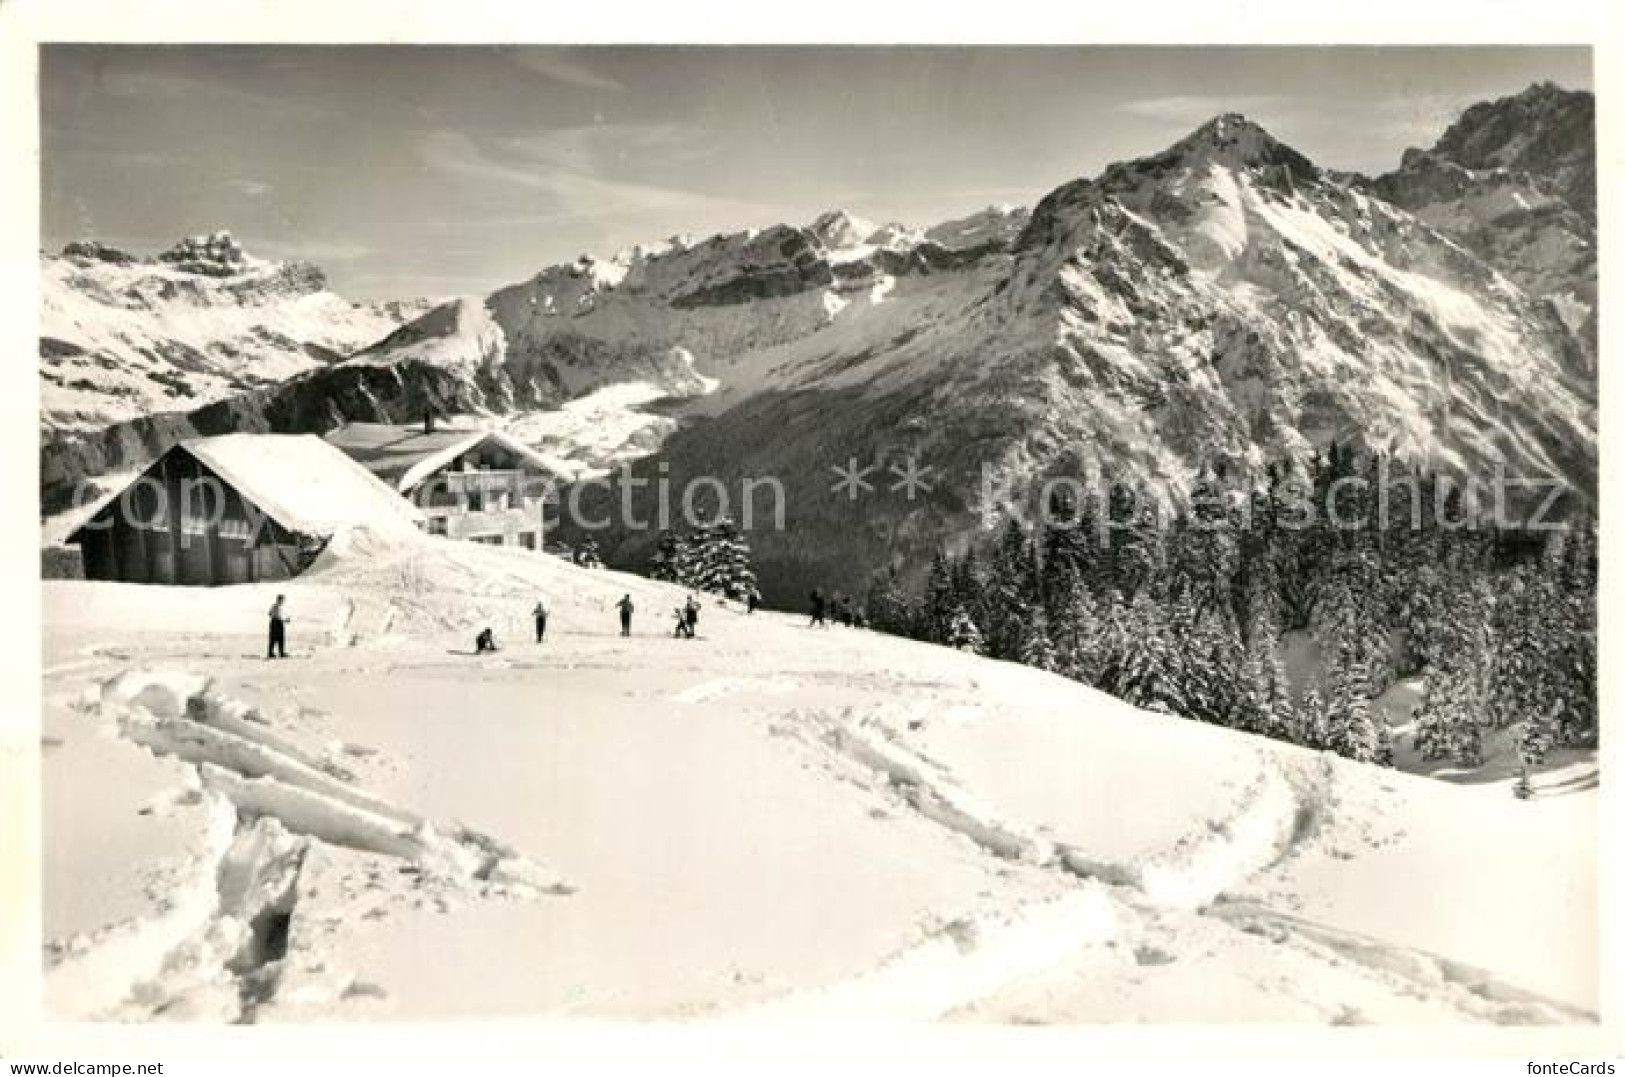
485,642
540,613
278,645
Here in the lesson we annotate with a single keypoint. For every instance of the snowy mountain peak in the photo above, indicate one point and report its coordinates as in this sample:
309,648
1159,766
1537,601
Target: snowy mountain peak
840,230
1515,181
1545,131
216,254
997,224
124,335
1234,141
896,236
90,250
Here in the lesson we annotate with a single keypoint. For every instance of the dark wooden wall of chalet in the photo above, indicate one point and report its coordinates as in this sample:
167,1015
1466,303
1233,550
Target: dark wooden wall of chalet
128,541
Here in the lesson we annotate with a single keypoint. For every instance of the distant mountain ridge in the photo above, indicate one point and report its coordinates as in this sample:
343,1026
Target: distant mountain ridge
123,336
1515,181
1222,303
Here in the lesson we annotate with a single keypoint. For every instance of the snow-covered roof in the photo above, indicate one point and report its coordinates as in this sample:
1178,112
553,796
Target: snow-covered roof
298,480
405,457
302,482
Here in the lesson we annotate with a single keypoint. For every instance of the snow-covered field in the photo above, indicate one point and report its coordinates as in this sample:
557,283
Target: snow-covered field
768,823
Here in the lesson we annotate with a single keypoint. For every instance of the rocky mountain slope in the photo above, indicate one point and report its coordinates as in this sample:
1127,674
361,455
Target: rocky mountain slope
1225,301
1515,181
123,336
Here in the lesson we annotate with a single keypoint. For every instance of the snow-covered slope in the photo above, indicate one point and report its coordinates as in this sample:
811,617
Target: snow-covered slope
123,336
768,822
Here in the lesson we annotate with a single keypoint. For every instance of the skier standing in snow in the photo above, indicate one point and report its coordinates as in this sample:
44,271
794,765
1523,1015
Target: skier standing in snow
625,606
817,610
753,600
691,614
278,646
540,613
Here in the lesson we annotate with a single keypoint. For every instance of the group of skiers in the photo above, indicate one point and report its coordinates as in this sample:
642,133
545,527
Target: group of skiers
486,640
688,619
840,609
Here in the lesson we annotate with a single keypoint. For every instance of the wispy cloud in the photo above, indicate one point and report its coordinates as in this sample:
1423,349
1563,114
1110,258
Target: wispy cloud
567,68
321,252
223,91
1196,109
570,193
251,188
594,148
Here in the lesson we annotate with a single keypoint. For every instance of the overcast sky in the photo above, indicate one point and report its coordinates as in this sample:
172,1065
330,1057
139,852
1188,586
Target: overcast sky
441,170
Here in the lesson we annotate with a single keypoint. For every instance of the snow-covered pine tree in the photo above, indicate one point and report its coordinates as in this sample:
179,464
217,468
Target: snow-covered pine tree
587,555
1142,674
1522,679
1385,744
1109,644
1037,649
1447,721
1012,592
1348,616
1569,571
887,604
1351,725
1252,711
721,561
1136,554
686,565
1312,724
663,563
1063,587
940,601
1204,546
963,635
971,585
1211,666
1069,547
1533,741
1294,543
1265,690
1260,600
1076,631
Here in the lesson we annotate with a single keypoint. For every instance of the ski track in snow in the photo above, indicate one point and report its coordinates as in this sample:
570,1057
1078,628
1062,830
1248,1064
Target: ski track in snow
1406,970
707,691
975,958
215,949
218,947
